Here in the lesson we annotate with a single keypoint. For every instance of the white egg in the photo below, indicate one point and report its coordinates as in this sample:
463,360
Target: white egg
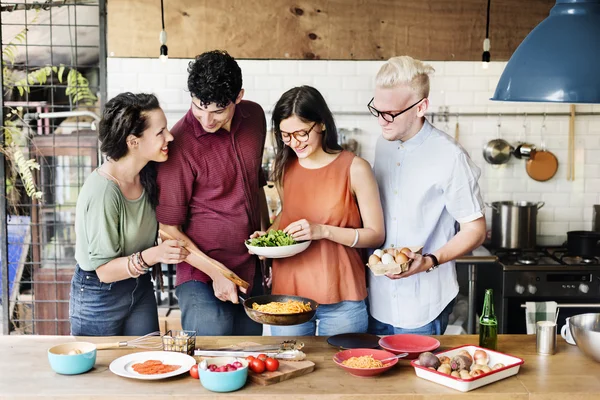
387,259
378,253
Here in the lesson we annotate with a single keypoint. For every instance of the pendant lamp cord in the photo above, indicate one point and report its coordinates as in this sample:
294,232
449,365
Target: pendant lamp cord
162,13
485,57
487,24
164,51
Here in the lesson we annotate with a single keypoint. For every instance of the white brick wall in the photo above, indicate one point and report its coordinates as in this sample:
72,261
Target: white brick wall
461,86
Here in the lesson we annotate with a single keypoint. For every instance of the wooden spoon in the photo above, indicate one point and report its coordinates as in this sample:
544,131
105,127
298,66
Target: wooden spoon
227,273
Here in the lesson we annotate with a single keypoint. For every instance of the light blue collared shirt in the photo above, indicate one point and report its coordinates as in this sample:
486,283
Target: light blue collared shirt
427,184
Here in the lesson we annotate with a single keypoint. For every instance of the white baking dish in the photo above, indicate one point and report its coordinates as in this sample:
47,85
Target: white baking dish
512,365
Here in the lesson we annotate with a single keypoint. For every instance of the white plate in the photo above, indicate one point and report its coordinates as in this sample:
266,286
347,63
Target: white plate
279,251
511,367
122,366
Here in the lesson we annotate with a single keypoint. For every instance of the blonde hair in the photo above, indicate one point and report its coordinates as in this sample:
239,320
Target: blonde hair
405,70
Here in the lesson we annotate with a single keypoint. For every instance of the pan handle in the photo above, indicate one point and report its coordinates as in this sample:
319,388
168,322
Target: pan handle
493,207
540,204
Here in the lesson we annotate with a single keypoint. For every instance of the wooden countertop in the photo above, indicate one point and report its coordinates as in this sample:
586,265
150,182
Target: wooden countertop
26,374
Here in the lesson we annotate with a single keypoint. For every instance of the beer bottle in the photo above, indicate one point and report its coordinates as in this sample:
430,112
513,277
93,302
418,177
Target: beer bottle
488,323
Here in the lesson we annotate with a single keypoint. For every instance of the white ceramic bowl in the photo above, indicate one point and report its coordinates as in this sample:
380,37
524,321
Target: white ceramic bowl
279,251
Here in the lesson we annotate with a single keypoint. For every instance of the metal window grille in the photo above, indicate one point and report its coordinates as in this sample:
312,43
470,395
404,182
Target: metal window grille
53,50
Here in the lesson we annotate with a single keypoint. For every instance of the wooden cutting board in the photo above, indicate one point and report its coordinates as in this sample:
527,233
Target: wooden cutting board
287,370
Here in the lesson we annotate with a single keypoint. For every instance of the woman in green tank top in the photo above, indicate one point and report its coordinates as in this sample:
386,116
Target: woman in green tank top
111,291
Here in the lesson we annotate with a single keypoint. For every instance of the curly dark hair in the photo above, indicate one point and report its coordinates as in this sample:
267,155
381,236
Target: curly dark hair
124,115
214,77
308,104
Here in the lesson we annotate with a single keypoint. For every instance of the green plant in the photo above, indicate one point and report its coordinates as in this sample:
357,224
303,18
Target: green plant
15,129
19,165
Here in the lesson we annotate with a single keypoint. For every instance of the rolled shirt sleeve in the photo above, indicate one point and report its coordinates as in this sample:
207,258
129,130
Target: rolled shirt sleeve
462,194
175,181
102,228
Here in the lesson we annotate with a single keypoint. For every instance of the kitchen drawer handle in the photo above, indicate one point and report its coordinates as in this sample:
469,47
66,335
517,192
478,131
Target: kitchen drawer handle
572,306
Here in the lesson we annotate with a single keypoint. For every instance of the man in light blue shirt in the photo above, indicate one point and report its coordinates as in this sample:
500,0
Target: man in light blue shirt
427,183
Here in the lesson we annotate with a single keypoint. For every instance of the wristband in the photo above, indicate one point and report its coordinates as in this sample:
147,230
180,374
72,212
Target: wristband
434,259
355,238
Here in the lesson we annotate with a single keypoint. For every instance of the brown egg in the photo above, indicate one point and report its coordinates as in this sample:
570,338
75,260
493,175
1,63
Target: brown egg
391,251
401,258
405,250
374,260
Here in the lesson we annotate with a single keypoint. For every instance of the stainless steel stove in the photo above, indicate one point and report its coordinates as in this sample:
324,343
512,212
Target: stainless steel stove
543,274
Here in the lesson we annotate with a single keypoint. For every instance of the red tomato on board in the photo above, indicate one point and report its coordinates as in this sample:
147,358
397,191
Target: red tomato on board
257,366
194,371
271,364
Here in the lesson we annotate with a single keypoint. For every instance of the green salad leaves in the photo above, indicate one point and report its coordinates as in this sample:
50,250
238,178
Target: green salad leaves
272,239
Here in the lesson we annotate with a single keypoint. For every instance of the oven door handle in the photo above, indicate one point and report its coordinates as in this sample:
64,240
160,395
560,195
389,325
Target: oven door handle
572,306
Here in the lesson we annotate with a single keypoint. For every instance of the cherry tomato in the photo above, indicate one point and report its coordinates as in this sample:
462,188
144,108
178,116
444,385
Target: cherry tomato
194,371
250,358
271,364
262,357
257,366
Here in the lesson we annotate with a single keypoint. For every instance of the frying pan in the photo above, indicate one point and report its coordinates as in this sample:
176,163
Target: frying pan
542,166
278,319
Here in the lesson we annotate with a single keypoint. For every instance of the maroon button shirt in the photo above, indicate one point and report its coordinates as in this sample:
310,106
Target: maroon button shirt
210,186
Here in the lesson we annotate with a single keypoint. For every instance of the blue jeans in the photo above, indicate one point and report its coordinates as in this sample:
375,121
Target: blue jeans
123,308
435,327
342,317
202,312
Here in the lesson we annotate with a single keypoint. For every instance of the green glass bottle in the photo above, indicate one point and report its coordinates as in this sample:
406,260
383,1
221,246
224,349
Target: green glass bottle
488,323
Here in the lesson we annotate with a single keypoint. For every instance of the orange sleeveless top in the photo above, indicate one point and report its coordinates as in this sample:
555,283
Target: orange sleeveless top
326,272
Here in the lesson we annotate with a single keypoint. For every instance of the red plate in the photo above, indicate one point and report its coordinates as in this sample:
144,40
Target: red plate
365,372
409,343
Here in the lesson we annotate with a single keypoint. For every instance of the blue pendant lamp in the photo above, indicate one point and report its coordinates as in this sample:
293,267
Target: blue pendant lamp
559,61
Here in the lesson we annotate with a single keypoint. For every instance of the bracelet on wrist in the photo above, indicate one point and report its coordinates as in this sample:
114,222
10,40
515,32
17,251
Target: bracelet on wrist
355,238
138,264
144,263
128,267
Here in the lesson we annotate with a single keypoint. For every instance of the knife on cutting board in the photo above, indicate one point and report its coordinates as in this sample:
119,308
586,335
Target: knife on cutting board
285,345
290,355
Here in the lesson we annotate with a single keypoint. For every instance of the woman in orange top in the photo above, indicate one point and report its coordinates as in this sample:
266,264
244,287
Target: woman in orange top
329,196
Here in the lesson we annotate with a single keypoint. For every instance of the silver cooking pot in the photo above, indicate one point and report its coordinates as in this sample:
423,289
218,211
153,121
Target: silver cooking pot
514,224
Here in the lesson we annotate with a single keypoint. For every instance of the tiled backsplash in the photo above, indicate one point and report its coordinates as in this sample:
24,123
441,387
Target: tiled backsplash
463,87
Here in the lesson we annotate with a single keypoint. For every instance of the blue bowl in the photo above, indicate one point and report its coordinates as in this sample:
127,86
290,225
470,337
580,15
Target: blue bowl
224,381
72,358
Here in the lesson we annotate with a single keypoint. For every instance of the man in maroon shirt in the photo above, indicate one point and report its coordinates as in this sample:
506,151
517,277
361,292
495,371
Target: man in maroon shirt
211,195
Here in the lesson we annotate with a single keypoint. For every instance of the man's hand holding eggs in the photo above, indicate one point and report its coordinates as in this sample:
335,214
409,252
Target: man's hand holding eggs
390,256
